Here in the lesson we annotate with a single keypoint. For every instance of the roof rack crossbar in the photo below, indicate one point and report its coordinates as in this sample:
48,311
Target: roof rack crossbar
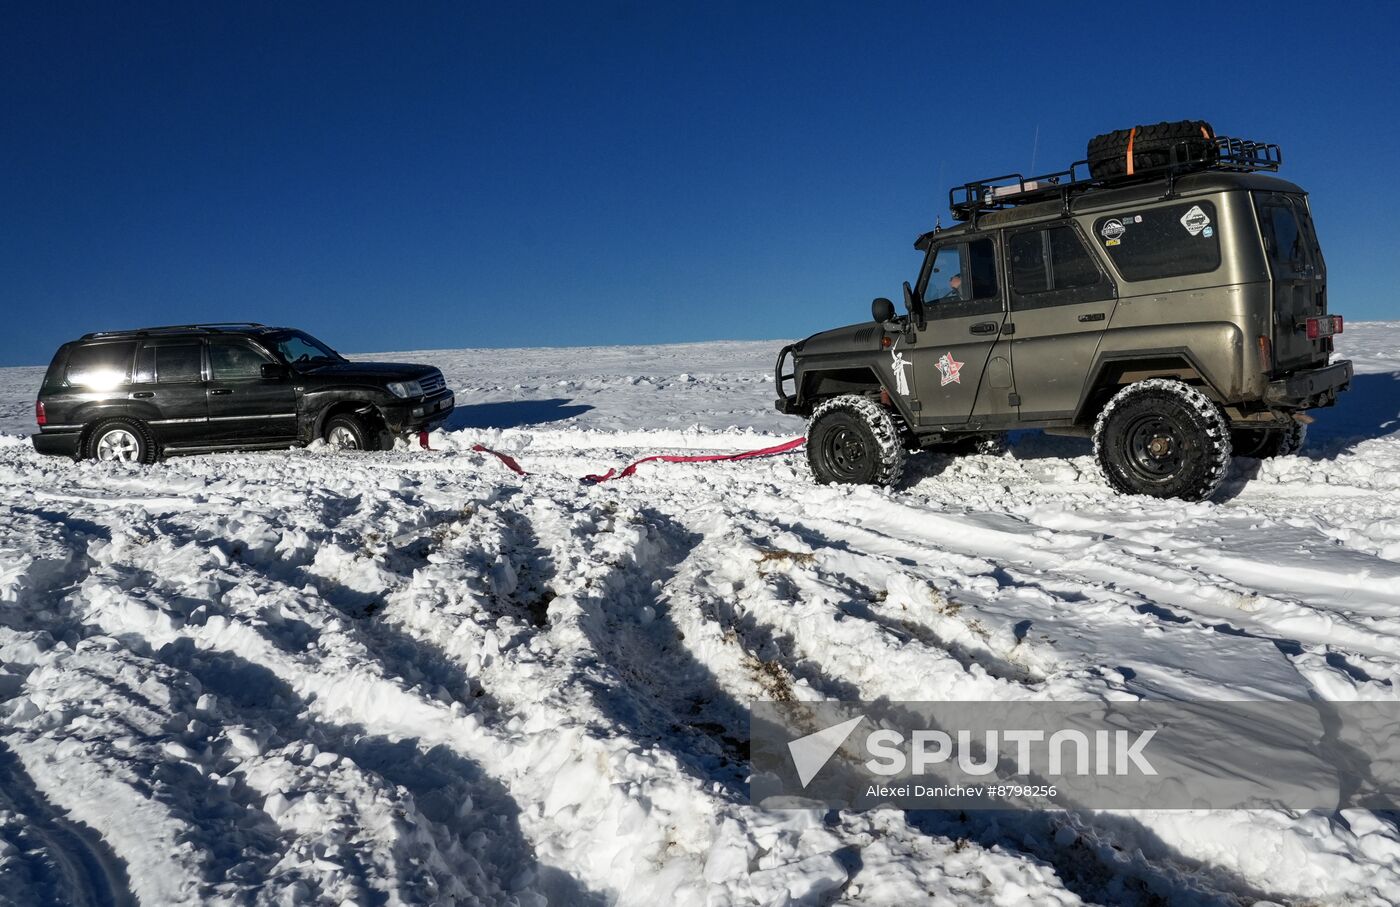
1013,189
206,325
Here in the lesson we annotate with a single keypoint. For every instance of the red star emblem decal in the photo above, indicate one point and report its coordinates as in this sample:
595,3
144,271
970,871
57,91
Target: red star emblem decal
950,368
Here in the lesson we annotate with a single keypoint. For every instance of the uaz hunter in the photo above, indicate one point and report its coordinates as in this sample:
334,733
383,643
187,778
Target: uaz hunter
1167,296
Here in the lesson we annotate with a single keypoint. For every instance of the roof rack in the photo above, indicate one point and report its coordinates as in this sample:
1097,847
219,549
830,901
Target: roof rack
167,328
1013,189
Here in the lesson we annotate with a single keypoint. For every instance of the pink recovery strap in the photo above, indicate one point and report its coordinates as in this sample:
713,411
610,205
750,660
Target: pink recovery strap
708,458
513,466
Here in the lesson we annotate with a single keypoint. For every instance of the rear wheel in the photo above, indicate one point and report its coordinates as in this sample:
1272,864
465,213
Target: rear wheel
1163,438
852,440
1264,443
121,441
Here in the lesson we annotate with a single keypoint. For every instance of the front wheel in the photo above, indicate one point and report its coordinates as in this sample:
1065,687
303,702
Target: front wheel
852,440
349,432
1163,438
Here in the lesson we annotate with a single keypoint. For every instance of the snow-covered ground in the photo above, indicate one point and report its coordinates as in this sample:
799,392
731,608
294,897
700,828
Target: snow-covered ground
415,677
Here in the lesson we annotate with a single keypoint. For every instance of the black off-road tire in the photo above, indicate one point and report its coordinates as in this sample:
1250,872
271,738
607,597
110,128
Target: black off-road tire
1108,153
339,429
106,432
1264,443
1163,438
852,440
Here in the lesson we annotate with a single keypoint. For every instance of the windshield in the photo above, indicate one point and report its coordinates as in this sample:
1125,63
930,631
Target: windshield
302,349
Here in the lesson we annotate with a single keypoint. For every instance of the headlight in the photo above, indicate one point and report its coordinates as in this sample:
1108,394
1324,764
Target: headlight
405,388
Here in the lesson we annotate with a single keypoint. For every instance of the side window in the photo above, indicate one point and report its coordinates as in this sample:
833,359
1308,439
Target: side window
945,283
172,363
1153,243
1052,266
232,360
100,366
964,272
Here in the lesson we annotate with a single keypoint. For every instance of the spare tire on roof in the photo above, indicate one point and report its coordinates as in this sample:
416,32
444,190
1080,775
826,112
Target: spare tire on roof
1146,147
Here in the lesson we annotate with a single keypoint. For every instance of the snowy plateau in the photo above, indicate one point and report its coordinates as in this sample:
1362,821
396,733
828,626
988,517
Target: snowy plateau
415,677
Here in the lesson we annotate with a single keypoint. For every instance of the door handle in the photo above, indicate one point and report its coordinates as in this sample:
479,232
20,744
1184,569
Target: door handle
142,395
1092,316
220,392
984,327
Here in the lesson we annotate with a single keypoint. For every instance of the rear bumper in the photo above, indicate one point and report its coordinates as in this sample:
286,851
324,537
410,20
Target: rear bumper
57,443
1310,388
418,415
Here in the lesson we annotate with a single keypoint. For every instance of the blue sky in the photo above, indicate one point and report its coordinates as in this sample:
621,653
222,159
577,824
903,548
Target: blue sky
402,176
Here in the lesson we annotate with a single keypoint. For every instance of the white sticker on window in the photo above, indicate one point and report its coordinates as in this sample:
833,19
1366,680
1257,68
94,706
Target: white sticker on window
1195,220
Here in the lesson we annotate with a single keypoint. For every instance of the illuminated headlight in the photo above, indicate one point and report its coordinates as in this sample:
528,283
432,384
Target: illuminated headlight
405,388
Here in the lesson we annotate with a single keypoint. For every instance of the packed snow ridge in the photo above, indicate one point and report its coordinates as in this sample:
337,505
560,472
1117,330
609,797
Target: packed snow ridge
416,677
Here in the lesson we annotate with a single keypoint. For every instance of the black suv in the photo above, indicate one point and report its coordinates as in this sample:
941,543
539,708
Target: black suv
137,395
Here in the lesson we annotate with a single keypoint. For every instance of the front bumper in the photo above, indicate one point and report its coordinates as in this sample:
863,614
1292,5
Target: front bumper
418,415
57,443
785,404
1310,388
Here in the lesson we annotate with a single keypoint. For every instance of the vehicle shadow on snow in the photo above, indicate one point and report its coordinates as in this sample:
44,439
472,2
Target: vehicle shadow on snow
1103,858
513,413
1371,409
453,793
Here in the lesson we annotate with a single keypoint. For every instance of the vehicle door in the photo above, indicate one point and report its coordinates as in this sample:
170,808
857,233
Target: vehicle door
245,405
1299,278
1061,301
963,314
170,376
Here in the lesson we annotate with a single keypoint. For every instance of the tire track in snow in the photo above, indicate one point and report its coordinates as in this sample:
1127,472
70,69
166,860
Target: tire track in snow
85,873
596,549
1107,566
353,703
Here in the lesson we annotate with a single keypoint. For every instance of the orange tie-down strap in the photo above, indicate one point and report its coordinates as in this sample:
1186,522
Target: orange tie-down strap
1205,134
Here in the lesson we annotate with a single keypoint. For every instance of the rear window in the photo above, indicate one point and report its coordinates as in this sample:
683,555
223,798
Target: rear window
170,363
100,366
1148,244
1054,259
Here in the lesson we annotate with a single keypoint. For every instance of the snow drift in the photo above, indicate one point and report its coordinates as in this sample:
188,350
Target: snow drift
415,677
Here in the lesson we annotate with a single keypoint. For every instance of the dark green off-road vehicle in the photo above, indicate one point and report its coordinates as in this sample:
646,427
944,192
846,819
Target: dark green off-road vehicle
1167,296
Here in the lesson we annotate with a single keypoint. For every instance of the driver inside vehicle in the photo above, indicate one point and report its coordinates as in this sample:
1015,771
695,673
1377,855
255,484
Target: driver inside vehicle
946,283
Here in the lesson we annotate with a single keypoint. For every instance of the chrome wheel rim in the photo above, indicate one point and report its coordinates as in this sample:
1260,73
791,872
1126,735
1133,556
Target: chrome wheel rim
342,438
119,445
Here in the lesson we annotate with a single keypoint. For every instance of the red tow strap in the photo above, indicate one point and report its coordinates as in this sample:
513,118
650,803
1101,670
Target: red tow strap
511,463
708,458
508,460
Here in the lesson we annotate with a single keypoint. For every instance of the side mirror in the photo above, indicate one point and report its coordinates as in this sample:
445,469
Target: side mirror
274,370
882,310
914,305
